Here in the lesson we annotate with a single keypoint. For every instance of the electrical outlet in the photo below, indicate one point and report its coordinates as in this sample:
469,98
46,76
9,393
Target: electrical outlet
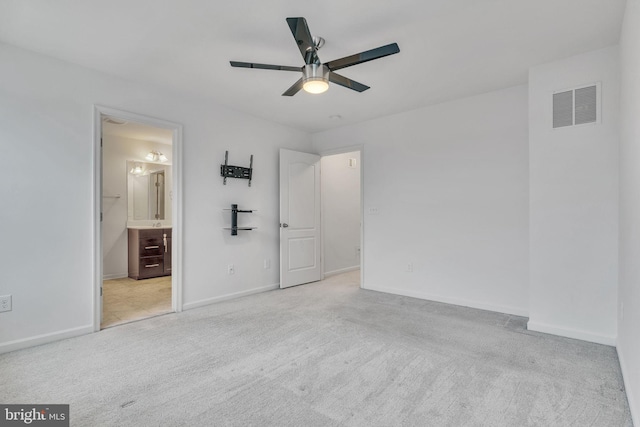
231,269
267,263
5,303
374,211
409,268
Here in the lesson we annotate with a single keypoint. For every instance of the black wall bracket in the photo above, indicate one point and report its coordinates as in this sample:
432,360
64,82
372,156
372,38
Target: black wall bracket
228,171
234,219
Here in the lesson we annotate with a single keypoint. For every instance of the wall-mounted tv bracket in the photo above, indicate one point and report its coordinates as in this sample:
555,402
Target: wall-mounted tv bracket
228,171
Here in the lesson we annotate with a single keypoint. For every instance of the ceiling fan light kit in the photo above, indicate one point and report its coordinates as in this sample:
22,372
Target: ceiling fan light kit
315,78
316,75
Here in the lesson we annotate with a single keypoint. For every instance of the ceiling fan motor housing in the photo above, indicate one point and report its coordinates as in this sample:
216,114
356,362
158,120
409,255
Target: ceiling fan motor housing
315,72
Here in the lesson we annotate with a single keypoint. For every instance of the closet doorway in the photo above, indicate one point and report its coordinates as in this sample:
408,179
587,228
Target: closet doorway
138,234
341,195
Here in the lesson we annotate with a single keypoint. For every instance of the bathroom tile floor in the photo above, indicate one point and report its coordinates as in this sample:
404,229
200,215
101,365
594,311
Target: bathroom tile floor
126,300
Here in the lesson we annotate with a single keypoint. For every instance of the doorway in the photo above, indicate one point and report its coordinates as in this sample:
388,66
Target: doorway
138,221
320,215
341,195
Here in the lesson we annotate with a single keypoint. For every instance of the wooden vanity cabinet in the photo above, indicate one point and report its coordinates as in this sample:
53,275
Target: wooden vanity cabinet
149,252
167,252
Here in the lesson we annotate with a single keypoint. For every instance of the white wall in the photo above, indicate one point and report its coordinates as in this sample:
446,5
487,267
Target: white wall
46,161
574,203
340,187
450,185
116,152
629,290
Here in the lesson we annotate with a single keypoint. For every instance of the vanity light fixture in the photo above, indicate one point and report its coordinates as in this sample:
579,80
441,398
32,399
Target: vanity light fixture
137,169
156,156
113,121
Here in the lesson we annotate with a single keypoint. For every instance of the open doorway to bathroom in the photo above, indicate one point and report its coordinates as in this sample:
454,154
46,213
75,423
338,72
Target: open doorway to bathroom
136,231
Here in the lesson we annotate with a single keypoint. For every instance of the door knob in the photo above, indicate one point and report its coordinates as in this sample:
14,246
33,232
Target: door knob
284,225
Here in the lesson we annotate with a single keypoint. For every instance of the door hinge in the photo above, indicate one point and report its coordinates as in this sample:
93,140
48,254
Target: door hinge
100,290
100,216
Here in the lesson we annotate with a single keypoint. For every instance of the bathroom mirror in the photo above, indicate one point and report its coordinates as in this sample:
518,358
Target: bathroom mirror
148,191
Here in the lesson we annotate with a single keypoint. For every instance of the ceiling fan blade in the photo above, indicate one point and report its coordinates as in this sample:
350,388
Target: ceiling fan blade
301,33
365,56
348,83
264,66
294,89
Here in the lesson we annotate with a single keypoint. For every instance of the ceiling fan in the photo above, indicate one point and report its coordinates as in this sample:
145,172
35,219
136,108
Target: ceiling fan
316,75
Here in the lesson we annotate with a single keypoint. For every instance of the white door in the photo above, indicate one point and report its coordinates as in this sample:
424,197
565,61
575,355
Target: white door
299,218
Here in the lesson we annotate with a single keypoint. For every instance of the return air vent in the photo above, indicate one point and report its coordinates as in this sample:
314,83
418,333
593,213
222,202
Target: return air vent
576,106
563,109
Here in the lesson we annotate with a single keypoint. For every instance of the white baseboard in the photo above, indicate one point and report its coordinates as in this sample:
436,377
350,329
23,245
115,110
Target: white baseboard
208,301
115,276
341,270
631,393
83,330
448,300
571,333
44,339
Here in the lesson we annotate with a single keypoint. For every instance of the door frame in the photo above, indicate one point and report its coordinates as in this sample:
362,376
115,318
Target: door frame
176,206
342,150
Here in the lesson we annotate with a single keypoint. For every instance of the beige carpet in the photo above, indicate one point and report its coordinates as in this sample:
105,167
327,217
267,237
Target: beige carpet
127,300
324,354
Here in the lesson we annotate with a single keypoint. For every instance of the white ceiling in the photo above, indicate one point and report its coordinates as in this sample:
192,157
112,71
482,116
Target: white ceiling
449,48
138,131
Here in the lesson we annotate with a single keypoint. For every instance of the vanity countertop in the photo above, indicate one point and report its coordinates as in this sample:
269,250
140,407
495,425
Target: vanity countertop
147,227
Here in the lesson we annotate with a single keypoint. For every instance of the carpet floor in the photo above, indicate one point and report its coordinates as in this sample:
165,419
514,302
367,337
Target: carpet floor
323,354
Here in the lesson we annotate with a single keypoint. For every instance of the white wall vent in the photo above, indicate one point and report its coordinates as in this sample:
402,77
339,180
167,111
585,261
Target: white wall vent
563,109
576,106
